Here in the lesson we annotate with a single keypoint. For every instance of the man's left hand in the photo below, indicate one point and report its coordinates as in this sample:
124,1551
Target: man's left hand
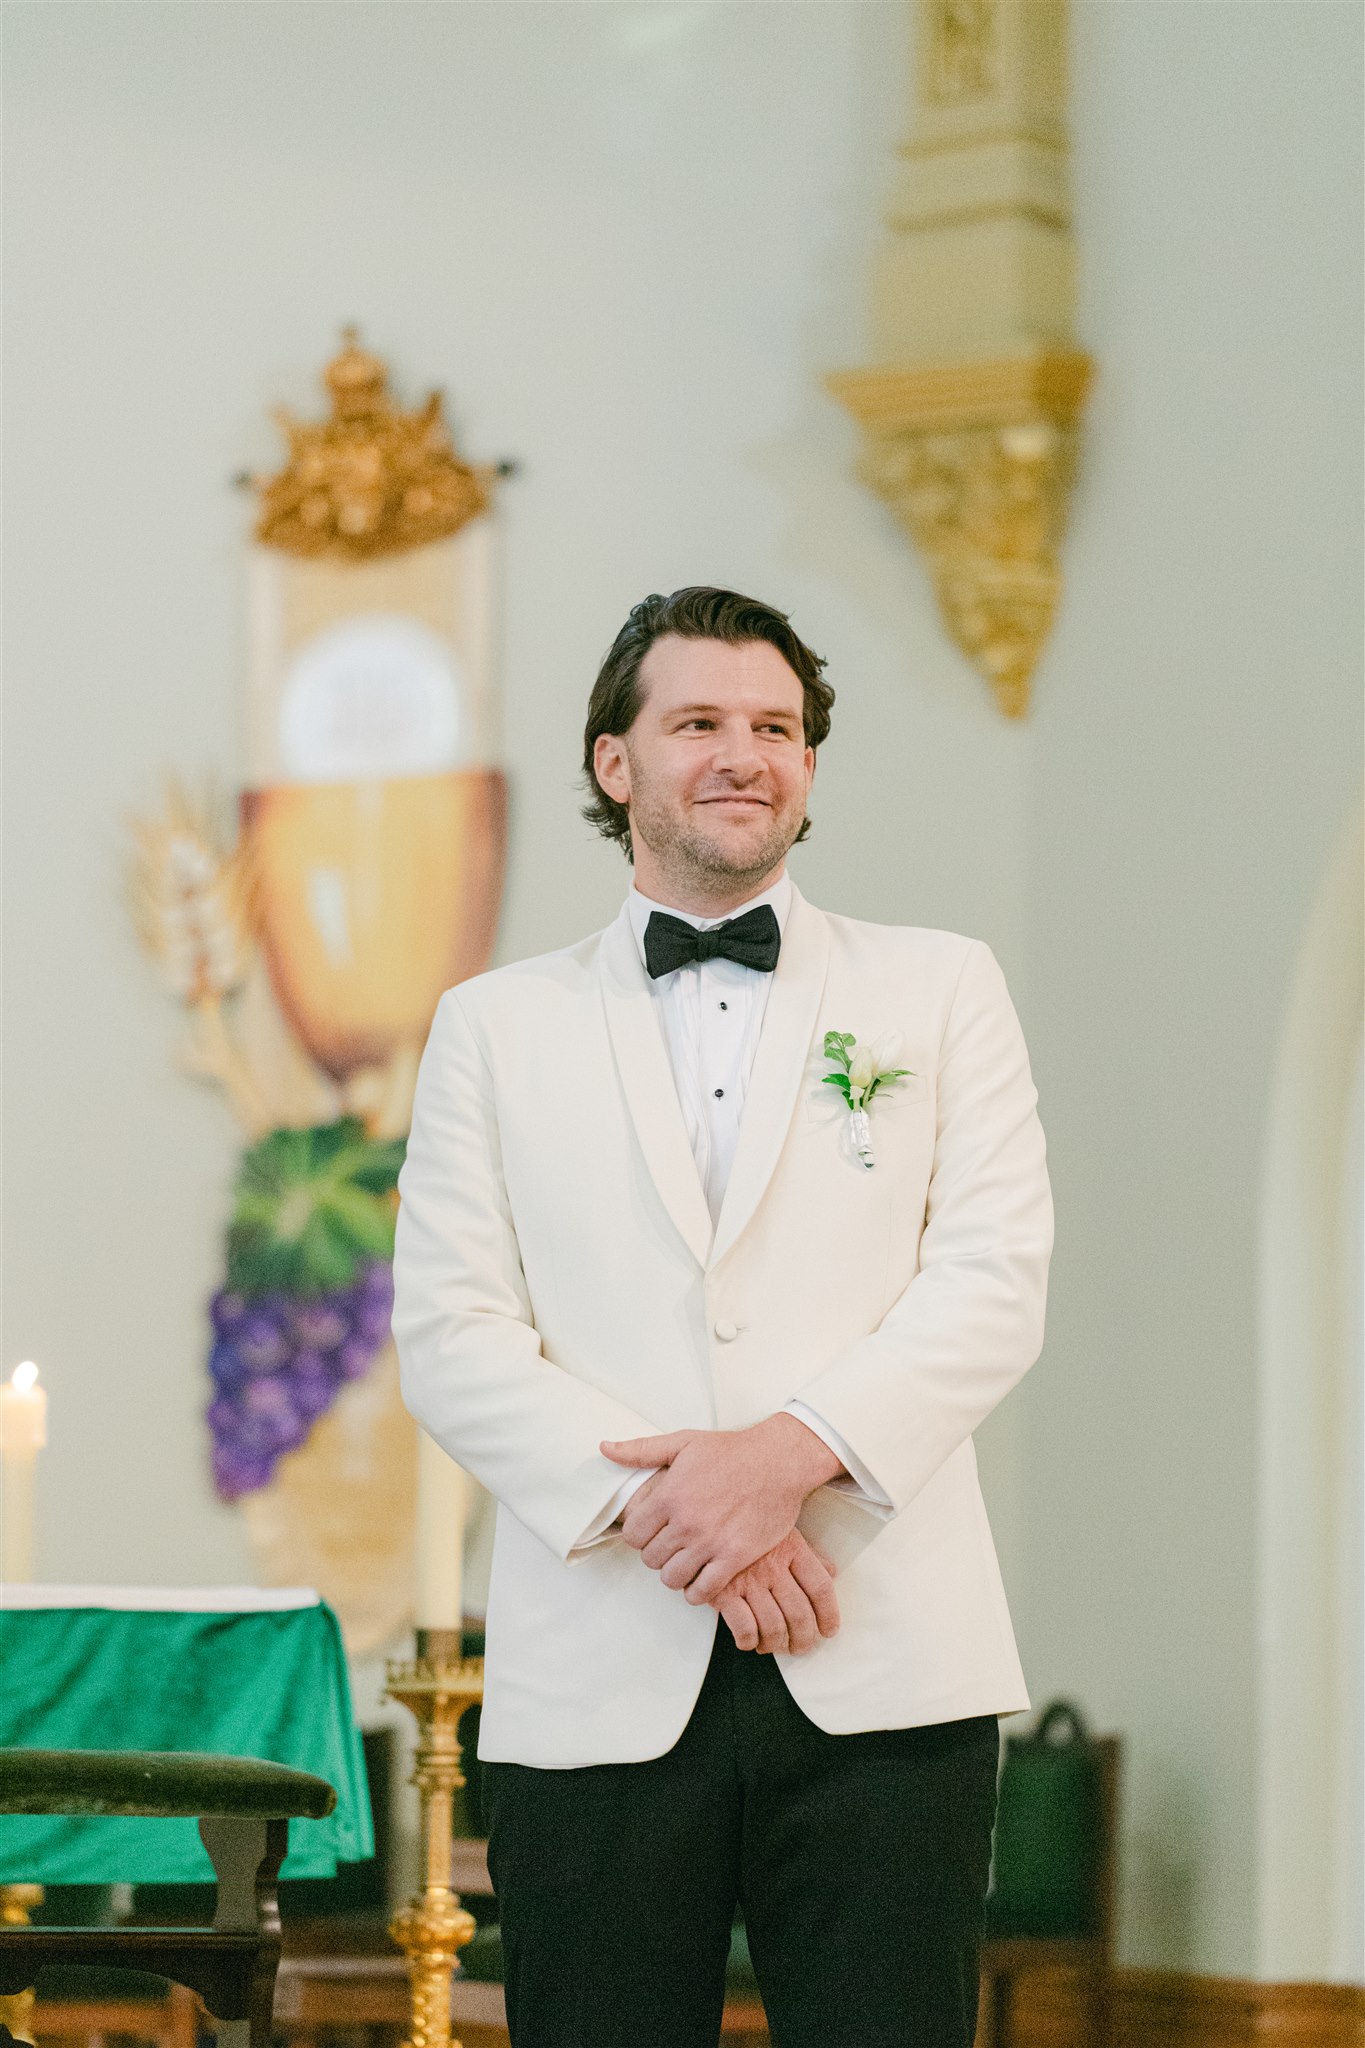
722,1498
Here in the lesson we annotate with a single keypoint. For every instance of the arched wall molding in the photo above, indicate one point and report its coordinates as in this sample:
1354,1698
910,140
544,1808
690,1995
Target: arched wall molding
1308,1393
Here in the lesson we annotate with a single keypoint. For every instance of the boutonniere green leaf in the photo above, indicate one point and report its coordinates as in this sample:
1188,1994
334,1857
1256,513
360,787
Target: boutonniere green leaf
858,1073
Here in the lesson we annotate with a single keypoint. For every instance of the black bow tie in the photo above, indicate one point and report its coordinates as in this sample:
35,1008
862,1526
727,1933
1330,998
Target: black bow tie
753,940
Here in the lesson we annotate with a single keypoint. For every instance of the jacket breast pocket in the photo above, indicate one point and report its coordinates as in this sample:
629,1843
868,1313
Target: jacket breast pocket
879,1211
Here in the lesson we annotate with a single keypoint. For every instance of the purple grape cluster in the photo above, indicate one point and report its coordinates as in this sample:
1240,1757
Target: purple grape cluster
278,1363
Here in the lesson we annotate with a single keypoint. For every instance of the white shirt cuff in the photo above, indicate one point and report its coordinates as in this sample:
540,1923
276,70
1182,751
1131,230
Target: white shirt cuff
858,1485
599,1529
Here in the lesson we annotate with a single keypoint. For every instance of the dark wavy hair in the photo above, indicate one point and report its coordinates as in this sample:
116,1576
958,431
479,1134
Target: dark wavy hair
698,612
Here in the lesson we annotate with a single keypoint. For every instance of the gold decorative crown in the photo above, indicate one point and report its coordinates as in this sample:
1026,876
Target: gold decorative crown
372,479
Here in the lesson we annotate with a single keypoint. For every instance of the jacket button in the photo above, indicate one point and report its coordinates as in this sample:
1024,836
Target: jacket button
726,1330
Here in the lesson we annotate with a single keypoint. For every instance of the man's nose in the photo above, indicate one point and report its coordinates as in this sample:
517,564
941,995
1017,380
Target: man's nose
738,751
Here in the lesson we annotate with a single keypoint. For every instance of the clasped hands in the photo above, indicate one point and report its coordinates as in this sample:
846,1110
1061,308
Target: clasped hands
717,1522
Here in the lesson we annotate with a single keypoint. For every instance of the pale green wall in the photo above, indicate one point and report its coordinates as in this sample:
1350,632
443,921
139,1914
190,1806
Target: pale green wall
1197,754
629,239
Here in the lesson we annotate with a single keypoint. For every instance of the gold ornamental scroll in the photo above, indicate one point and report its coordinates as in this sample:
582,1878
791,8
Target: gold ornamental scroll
374,818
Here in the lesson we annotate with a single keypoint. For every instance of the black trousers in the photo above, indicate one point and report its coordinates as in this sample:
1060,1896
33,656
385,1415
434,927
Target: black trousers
860,1863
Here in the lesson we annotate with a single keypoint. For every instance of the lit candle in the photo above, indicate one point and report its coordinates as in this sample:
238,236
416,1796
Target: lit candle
440,1537
23,1432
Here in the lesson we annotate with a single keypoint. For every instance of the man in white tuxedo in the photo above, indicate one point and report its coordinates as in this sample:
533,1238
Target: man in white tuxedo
718,1350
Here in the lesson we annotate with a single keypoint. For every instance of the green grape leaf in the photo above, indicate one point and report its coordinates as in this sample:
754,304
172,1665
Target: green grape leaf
281,1157
258,1263
254,1206
329,1141
379,1169
326,1259
309,1204
366,1221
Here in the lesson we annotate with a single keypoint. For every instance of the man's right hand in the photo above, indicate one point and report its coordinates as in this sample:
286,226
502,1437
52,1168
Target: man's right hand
784,1600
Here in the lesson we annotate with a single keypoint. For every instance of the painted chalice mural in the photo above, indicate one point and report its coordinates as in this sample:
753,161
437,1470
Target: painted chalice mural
310,950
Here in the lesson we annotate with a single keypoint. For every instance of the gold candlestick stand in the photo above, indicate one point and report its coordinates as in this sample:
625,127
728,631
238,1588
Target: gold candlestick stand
16,1904
436,1687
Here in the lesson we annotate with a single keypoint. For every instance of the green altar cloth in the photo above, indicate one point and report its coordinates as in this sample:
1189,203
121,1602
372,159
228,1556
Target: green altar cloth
238,1673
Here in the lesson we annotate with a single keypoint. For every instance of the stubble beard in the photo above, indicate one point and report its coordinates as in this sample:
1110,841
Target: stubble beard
685,849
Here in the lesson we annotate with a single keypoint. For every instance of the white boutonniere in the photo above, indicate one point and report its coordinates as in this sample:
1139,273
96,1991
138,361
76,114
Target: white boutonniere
858,1076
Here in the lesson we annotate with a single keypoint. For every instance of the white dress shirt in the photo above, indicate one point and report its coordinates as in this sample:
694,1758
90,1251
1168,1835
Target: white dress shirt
710,1013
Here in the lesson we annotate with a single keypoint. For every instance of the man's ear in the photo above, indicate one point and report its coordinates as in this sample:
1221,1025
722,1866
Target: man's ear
610,767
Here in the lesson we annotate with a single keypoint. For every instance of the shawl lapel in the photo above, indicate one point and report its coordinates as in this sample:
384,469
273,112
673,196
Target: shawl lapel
779,1063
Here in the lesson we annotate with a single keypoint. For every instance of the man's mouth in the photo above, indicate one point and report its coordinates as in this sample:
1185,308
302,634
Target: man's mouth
755,802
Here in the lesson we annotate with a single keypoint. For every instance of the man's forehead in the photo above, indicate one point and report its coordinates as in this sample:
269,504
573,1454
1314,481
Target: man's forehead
716,672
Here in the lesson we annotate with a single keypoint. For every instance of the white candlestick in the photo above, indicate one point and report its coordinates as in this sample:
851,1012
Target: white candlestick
440,1537
23,1432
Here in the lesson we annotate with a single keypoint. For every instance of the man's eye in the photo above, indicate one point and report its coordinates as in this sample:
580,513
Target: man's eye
783,731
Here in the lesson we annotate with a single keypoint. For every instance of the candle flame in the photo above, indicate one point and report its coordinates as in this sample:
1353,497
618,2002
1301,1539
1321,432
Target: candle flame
24,1376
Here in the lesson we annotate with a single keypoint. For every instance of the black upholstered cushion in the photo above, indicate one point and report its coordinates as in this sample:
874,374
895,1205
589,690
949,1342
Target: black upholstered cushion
163,1783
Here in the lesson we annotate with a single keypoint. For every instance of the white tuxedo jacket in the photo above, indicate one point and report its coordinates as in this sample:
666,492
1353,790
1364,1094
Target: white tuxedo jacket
557,1281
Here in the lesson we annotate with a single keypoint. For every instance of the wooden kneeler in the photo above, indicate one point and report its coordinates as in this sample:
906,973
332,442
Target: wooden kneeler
243,1806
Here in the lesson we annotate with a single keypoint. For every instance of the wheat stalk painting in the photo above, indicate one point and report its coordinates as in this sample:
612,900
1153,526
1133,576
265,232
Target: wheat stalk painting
193,902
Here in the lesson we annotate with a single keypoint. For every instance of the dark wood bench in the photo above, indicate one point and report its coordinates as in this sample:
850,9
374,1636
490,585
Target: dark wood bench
243,1806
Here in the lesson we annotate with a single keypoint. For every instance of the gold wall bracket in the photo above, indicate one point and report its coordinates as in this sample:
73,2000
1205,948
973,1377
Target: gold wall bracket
436,1687
970,411
976,461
